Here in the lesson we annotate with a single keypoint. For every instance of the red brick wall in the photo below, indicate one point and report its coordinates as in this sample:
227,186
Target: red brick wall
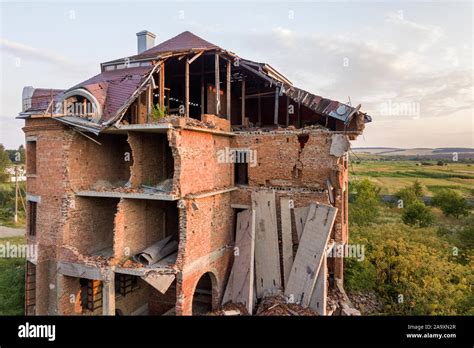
152,156
199,169
89,162
203,247
139,224
284,161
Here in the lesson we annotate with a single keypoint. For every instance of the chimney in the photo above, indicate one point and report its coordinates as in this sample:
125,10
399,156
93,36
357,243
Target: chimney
145,40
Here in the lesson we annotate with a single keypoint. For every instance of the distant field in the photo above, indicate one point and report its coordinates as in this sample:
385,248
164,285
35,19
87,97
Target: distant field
394,175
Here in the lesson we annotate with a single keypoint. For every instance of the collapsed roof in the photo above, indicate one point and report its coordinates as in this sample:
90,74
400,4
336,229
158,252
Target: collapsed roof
114,90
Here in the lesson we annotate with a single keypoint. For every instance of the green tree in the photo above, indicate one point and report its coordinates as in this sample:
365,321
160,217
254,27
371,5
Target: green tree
4,163
417,214
366,203
410,194
451,203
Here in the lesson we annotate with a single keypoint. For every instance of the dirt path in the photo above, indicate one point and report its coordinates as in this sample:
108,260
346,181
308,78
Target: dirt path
11,232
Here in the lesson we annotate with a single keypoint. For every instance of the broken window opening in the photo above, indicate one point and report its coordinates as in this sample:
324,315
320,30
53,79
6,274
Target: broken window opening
92,231
153,166
31,157
202,298
241,167
125,284
32,212
91,294
30,289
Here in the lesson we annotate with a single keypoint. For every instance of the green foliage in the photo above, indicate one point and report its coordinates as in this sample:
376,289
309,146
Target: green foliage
7,204
417,214
4,163
157,112
451,203
366,204
17,156
415,263
12,282
359,275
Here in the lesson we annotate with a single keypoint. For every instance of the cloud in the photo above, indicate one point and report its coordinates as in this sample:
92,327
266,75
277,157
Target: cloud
429,34
373,69
27,52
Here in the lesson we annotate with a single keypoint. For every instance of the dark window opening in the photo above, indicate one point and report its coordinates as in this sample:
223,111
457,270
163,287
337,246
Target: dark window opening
241,168
125,284
91,294
202,298
31,157
30,289
32,208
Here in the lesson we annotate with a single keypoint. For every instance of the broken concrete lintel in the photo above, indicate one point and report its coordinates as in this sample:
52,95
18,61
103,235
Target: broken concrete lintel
144,127
211,131
210,193
129,195
80,271
160,282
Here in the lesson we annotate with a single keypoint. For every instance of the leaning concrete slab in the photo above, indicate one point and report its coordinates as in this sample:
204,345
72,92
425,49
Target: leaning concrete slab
319,297
310,253
286,237
240,287
267,259
300,218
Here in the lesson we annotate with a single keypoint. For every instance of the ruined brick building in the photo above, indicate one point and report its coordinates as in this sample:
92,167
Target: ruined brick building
135,187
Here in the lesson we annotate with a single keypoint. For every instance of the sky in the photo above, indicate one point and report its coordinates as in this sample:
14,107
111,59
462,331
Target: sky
410,64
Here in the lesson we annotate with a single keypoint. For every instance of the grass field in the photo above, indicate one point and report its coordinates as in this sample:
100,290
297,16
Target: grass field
12,277
392,176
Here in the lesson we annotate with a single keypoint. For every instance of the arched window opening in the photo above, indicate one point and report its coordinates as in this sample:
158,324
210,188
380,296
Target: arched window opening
202,298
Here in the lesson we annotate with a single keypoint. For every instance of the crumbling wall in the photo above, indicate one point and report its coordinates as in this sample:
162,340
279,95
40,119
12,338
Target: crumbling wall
91,225
288,159
90,163
140,223
199,166
152,158
292,162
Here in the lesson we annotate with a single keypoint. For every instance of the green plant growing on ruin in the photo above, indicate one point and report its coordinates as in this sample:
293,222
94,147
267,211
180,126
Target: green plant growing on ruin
158,112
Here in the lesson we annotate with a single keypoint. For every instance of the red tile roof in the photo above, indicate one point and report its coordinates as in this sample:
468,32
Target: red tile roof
42,97
113,88
183,42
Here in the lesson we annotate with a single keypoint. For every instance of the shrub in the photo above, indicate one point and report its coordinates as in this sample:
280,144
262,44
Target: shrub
415,263
366,204
451,203
417,214
410,194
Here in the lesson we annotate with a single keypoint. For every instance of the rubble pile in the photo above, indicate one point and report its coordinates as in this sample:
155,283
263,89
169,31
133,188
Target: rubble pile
277,305
366,302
